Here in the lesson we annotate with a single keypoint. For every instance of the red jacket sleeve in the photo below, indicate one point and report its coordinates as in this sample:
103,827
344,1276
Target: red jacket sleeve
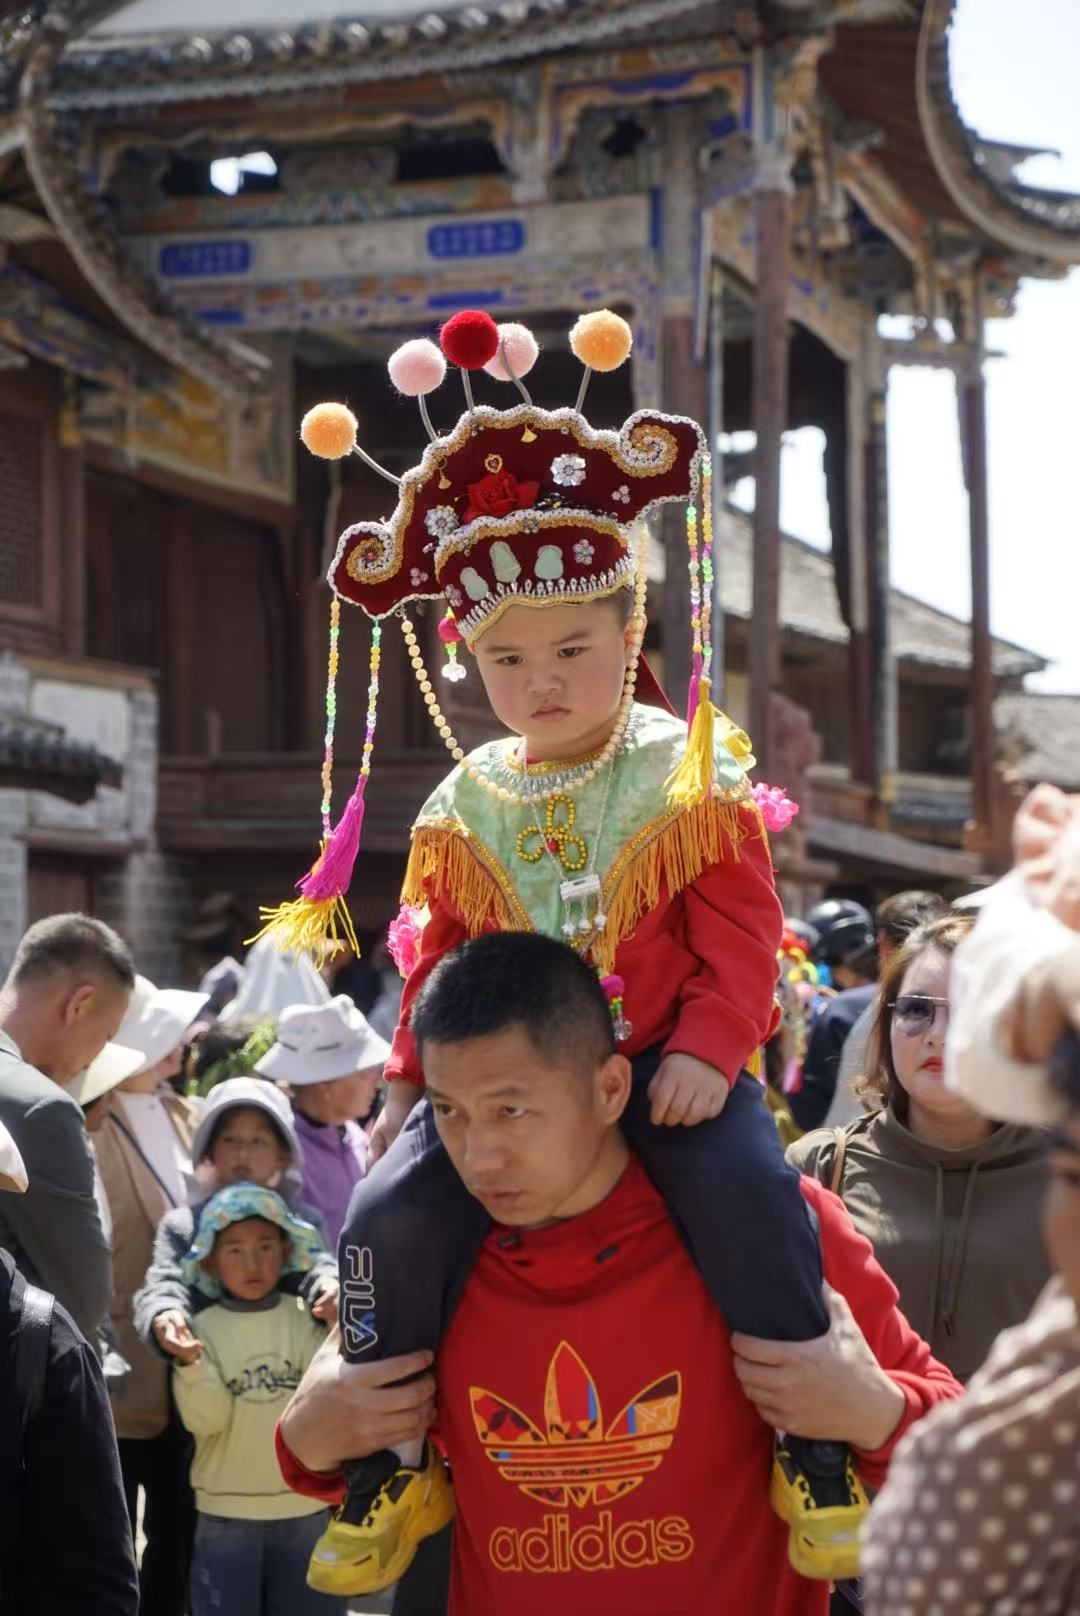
444,931
310,1483
734,923
852,1269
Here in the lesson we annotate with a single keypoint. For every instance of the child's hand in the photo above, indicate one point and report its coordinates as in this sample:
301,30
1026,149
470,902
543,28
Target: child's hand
325,1306
686,1090
173,1335
400,1099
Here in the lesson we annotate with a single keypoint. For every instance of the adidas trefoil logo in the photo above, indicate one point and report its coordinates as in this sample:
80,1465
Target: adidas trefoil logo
577,1460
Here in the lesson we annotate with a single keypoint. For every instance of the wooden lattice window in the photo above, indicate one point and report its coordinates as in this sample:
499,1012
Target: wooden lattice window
21,571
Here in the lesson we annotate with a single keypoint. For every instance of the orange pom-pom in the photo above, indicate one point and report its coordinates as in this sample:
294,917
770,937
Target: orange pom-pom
329,431
602,340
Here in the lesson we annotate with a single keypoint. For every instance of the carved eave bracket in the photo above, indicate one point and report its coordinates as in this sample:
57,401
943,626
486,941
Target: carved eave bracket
136,302
999,213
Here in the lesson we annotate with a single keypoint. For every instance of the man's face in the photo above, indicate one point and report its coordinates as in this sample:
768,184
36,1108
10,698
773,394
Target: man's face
86,1016
533,1141
248,1258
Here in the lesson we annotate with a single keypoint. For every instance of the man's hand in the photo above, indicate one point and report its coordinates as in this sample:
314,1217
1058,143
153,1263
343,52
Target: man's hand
325,1306
1046,838
400,1100
832,1388
686,1090
173,1335
344,1411
1043,1006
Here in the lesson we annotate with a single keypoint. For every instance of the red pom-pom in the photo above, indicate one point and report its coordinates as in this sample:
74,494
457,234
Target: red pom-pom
448,631
470,339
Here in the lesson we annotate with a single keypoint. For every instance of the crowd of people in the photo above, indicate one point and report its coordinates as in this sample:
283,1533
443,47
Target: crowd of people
655,1252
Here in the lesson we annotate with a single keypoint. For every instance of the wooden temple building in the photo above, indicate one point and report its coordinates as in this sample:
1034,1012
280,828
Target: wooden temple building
213,215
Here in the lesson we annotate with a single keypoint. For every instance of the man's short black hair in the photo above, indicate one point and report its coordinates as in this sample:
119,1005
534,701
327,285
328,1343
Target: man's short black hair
905,912
517,979
75,943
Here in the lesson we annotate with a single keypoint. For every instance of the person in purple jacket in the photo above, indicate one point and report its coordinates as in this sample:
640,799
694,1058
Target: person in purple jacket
332,1061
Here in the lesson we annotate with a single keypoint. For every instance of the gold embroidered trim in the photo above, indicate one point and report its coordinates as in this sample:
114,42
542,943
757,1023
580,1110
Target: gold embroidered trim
537,770
467,870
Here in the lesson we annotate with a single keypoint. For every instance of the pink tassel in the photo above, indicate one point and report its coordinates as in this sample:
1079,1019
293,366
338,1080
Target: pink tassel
329,877
614,987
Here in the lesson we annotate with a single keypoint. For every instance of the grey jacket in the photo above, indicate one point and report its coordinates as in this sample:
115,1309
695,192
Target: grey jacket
54,1232
164,1287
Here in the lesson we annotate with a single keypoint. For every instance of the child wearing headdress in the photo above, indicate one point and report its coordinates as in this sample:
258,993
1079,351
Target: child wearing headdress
605,821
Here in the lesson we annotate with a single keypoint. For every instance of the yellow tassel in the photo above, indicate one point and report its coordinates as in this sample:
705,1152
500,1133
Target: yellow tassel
691,782
302,926
755,1064
449,862
668,861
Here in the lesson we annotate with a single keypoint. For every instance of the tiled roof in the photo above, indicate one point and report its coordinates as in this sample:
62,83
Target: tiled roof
35,756
808,605
1039,736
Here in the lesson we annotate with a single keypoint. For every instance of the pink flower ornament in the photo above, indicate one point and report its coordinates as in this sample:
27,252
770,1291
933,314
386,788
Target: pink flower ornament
403,938
775,806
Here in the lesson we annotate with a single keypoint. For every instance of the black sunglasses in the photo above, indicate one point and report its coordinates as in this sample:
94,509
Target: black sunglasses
915,1013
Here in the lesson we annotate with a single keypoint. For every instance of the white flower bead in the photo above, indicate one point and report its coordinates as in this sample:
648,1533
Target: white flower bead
441,520
418,577
583,552
568,470
621,496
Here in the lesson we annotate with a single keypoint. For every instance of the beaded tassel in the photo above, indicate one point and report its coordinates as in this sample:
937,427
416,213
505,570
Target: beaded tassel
320,915
331,714
691,782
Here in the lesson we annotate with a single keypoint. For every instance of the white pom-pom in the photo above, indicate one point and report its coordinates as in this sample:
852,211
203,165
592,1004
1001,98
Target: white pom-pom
417,367
522,352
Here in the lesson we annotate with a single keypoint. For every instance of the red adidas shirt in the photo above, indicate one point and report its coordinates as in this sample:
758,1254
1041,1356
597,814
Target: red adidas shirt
604,1456
700,970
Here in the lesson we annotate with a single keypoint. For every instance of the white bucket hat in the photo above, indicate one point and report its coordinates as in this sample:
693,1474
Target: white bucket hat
271,981
113,1066
318,1043
12,1170
253,1093
156,1021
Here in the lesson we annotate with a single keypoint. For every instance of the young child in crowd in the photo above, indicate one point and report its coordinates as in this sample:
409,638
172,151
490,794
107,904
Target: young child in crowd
253,1535
332,1061
604,821
246,1136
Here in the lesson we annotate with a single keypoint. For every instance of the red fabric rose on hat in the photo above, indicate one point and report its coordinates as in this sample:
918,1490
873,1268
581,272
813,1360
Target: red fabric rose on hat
497,494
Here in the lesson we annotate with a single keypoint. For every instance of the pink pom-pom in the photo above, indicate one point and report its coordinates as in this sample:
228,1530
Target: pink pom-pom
449,633
775,806
417,367
522,351
403,938
613,986
470,339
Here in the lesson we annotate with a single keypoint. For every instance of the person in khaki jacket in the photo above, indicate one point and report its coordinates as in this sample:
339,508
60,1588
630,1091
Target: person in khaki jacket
143,1147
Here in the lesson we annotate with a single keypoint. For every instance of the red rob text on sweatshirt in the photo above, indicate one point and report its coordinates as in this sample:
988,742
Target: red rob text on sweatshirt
603,1453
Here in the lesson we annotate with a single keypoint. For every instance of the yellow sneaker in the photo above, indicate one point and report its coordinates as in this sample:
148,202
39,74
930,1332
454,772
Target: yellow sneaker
824,1512
367,1556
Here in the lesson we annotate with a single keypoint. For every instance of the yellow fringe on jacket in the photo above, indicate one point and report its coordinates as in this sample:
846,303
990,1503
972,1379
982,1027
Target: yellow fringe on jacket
662,858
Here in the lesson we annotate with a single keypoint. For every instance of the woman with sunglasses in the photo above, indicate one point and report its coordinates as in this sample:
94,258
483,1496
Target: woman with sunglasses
949,1200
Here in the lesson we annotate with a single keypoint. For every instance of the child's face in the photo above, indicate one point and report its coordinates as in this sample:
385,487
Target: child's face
248,1258
247,1148
556,675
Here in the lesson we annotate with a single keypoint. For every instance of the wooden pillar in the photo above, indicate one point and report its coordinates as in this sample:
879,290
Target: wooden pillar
882,685
683,389
973,424
772,214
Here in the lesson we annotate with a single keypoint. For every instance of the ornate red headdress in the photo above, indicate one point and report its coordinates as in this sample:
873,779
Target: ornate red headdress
513,507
